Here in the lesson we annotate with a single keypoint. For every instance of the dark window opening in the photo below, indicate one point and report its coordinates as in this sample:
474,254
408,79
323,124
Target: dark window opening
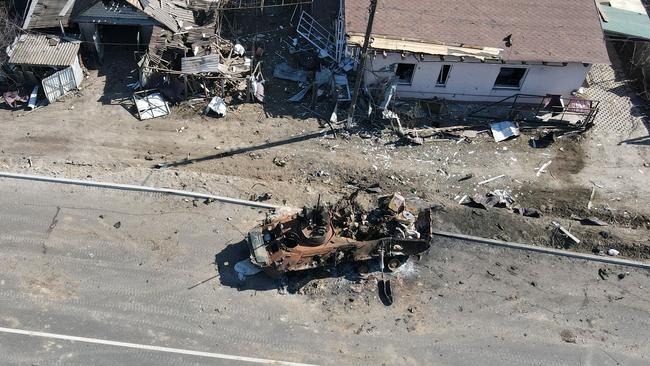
510,77
404,73
443,75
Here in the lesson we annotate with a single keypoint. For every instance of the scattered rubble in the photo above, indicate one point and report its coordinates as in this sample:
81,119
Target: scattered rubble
568,336
495,198
281,162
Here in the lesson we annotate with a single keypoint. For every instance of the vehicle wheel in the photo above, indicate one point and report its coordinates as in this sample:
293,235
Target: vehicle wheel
393,264
363,269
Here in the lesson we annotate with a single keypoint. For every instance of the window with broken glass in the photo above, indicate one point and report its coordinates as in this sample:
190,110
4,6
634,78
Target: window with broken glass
510,77
405,73
443,76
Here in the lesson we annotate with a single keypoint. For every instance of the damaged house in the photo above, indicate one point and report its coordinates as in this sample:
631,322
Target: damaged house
172,45
48,60
479,51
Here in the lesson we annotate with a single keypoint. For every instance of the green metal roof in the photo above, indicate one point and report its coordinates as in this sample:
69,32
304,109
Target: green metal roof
626,23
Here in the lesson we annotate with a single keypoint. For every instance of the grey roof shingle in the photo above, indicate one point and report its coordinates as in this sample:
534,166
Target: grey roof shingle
550,30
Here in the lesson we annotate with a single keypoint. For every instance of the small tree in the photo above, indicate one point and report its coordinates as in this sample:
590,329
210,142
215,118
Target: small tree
8,30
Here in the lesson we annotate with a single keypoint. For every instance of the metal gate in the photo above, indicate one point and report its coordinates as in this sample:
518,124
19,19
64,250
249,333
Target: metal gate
61,82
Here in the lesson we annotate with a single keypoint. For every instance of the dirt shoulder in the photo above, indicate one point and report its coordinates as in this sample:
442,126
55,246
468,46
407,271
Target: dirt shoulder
85,137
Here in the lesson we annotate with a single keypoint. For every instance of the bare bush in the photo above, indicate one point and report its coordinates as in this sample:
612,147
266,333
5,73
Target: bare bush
8,31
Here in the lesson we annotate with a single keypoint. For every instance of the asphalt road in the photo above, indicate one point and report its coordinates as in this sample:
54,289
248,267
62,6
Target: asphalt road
157,289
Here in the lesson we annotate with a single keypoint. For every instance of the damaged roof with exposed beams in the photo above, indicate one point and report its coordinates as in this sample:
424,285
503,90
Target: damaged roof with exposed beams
545,31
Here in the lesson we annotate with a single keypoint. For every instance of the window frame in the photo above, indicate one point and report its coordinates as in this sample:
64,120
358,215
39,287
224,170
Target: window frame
444,84
521,80
404,82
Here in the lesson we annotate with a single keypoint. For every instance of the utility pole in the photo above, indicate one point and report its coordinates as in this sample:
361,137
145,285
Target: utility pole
362,63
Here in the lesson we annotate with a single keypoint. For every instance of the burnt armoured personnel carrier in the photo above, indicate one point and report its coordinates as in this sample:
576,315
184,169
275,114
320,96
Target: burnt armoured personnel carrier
309,239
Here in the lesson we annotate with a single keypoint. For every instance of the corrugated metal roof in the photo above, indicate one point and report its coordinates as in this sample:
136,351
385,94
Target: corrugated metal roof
626,23
170,14
197,65
43,50
114,12
154,10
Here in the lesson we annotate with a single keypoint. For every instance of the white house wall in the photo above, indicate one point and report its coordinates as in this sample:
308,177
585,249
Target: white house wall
473,80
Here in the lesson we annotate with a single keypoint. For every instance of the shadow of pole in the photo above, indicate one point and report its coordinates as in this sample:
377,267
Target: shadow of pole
243,150
644,140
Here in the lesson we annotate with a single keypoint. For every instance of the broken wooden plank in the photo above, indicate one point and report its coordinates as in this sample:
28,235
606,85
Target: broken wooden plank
566,232
591,198
543,168
491,179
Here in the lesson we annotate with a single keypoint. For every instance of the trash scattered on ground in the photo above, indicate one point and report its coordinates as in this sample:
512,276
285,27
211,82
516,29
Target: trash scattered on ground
261,197
543,140
281,162
613,252
13,97
603,273
495,198
528,212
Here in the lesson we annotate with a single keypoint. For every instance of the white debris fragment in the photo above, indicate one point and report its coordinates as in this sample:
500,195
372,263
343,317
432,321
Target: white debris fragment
217,105
239,50
504,130
491,179
246,269
613,252
543,168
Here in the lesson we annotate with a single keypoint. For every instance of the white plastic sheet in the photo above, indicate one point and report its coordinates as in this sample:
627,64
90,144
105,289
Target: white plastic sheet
218,106
504,130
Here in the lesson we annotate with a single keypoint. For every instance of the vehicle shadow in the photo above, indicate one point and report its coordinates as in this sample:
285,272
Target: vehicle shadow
226,260
292,283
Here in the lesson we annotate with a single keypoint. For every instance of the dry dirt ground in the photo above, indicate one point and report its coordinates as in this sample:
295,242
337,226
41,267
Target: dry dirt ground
93,134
